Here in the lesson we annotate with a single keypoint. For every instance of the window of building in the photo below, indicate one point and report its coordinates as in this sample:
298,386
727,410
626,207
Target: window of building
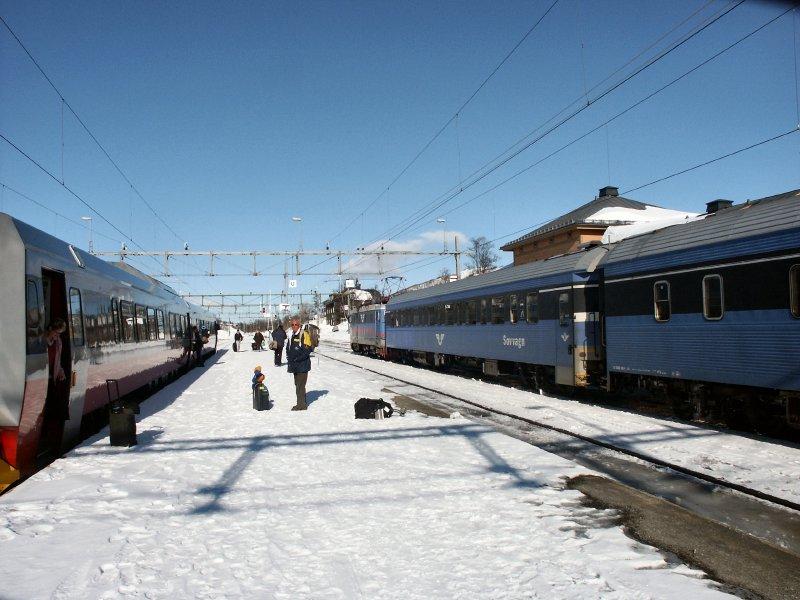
512,308
532,307
662,303
713,297
141,323
498,309
794,290
33,318
472,312
76,316
161,328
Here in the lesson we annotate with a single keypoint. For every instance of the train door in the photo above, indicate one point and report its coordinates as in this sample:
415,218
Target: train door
57,401
565,343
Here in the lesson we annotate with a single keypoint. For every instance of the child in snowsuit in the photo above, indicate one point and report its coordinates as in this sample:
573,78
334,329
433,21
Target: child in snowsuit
258,378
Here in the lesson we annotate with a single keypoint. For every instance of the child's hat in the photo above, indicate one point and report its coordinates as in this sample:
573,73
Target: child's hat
258,368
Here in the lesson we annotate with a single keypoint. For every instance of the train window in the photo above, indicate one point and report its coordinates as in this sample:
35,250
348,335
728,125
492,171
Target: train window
472,312
459,312
160,319
449,314
498,309
440,318
794,290
33,318
564,310
431,315
532,307
512,308
76,316
713,297
152,325
416,316
484,310
126,321
115,334
141,323
662,303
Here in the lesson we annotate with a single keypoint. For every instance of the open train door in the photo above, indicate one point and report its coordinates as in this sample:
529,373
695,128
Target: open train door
565,339
57,401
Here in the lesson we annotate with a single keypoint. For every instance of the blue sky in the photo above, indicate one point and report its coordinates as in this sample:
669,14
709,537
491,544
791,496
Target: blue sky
231,120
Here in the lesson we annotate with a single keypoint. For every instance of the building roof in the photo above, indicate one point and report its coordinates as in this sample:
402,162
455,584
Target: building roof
607,209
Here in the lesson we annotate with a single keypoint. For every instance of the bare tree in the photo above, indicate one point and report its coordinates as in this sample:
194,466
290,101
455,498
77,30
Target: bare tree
444,275
482,257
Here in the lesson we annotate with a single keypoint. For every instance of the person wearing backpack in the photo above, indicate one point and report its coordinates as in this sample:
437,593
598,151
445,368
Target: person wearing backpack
298,357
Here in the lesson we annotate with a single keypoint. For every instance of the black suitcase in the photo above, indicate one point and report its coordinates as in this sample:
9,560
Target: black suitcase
254,346
261,398
235,346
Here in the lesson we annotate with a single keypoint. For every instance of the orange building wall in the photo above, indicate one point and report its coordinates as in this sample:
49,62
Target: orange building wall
552,244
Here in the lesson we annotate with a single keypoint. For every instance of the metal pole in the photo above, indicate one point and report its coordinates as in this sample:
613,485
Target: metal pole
458,257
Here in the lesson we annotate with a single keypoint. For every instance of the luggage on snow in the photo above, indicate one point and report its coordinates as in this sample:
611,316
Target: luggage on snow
261,398
372,408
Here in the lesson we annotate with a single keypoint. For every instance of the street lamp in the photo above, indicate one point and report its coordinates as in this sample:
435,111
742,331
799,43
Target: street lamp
91,246
299,220
442,220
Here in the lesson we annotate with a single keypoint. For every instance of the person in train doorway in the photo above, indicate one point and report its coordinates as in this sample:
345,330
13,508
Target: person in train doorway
279,337
198,347
187,340
57,379
298,357
237,340
258,339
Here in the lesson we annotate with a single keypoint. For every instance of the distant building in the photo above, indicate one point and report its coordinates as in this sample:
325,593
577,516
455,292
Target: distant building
586,225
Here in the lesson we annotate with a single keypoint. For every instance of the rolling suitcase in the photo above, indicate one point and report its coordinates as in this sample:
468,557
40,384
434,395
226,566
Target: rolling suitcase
235,346
261,398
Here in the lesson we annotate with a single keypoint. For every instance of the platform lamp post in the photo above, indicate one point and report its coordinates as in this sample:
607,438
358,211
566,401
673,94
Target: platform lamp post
443,221
300,221
91,245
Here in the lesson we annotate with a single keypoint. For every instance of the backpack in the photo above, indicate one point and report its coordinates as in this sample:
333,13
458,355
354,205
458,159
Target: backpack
368,408
313,335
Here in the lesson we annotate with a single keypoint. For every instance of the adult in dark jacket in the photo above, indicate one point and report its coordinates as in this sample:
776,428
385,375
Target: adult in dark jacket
298,356
279,337
258,339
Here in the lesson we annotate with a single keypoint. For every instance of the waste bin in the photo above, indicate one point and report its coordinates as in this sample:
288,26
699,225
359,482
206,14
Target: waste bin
122,423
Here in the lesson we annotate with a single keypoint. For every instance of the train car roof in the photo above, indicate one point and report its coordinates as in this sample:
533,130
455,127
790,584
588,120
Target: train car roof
730,231
576,262
33,238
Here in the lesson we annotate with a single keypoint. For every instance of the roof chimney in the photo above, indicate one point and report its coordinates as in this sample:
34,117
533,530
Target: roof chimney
609,190
718,205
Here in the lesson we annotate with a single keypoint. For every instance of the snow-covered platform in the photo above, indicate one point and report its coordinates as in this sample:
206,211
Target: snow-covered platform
220,501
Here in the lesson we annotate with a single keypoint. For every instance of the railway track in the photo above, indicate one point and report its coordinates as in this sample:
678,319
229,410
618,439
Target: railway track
646,458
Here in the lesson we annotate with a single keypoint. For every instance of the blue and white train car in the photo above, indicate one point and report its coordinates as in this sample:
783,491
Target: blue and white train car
368,329
711,309
540,319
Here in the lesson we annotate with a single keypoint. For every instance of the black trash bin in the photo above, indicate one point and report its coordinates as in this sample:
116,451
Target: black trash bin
122,423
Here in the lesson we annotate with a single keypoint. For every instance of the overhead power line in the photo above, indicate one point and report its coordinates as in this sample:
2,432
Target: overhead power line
450,120
489,168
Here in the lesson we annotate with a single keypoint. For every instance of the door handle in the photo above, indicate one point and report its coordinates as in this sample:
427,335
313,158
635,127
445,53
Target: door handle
73,379
569,349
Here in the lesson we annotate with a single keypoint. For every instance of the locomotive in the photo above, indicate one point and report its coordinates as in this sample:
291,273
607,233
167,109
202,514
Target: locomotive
125,332
703,315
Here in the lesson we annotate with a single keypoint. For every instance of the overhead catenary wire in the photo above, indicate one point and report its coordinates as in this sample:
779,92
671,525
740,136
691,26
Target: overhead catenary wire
449,121
65,103
487,170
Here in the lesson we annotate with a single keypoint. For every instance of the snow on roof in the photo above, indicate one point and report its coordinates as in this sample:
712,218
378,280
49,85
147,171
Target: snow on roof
615,233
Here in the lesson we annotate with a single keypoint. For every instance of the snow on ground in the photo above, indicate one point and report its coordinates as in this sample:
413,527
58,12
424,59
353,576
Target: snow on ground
220,501
771,467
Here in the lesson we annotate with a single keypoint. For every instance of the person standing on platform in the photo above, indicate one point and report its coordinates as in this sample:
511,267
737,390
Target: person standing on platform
298,357
198,347
279,337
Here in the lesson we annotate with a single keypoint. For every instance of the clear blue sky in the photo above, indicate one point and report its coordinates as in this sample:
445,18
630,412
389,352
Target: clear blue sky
231,120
